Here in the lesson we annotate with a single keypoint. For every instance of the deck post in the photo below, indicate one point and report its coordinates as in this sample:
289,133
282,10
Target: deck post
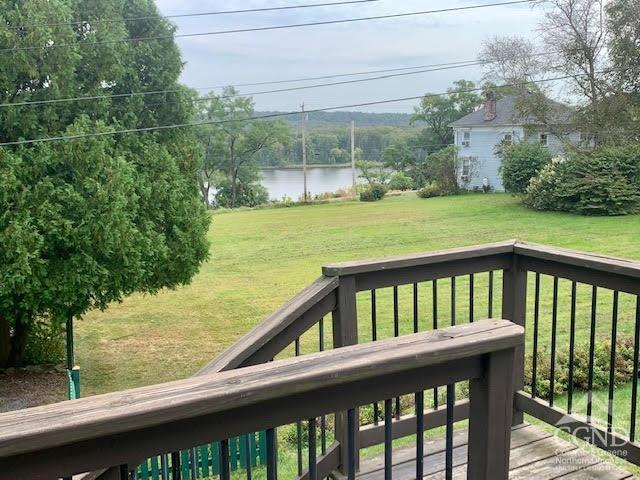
490,418
514,308
345,332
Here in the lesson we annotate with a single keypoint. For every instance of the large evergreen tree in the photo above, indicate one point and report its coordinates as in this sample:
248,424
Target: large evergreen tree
85,222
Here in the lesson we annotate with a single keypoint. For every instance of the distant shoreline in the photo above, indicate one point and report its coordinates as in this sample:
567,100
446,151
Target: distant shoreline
298,166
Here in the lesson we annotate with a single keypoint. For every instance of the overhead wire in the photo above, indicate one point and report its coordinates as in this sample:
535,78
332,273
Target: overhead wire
272,115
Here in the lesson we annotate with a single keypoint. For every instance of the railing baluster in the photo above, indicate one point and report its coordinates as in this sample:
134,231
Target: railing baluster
435,327
634,389
612,362
471,295
415,308
374,337
572,344
396,333
351,444
298,423
453,301
313,467
225,468
272,461
449,433
247,449
194,466
176,472
323,418
388,438
124,472
554,329
592,345
490,301
419,435
163,467
451,395
536,322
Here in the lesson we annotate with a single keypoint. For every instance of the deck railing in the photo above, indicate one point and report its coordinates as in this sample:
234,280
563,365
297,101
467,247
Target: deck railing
562,298
112,431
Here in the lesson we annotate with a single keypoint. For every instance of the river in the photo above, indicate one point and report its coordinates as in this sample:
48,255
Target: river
290,181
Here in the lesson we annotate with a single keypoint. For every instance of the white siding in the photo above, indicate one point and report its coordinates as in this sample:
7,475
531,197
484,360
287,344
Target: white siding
482,145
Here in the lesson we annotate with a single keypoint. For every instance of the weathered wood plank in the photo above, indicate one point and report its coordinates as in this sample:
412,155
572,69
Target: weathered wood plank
422,273
414,260
315,301
374,434
491,402
96,431
579,427
521,435
591,261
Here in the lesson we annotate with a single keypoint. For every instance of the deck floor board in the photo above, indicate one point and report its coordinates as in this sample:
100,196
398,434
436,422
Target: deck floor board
535,453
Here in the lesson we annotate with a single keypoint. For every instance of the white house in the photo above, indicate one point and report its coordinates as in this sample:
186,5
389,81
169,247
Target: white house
477,135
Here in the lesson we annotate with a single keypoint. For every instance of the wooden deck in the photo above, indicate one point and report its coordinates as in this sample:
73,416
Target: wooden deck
535,455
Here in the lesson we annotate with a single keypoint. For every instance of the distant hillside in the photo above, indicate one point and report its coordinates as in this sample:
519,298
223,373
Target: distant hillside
362,119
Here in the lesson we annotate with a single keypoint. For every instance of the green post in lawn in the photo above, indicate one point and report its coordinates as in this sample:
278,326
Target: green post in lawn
73,372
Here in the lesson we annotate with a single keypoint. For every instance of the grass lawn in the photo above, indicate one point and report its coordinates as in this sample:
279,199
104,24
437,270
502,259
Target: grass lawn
261,258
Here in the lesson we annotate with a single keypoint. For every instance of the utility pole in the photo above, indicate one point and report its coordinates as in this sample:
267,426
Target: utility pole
304,152
353,156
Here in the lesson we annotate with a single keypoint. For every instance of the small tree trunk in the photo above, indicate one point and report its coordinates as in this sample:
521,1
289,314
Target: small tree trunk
19,341
5,341
234,179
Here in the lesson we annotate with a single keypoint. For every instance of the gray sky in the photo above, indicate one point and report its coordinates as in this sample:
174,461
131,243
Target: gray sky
331,49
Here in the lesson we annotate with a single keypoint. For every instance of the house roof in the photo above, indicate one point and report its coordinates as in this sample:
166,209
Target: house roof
508,115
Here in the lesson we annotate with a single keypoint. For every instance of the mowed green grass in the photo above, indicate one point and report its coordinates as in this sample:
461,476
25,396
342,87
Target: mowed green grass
261,258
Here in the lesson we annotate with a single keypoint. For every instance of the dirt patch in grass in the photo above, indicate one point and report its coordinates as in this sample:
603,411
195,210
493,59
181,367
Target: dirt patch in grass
23,389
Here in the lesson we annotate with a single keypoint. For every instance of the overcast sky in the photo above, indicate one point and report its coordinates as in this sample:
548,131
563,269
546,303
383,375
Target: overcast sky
331,49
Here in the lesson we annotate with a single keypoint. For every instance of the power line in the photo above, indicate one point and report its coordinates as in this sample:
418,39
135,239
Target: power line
436,67
186,15
261,29
274,115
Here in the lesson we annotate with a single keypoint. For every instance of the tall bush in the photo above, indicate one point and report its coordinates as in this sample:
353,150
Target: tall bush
604,182
520,163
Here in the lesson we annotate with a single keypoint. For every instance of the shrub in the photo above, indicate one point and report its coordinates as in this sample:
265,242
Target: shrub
602,355
433,189
400,181
373,193
45,344
247,195
605,182
520,163
442,170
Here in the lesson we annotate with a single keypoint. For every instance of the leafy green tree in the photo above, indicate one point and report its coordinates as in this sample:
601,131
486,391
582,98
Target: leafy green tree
234,142
520,163
399,156
86,222
438,111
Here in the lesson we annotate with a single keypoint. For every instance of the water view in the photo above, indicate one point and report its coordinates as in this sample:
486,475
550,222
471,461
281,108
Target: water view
290,181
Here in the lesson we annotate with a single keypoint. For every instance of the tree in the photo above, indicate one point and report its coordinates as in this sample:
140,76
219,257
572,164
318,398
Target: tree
234,142
521,162
438,111
573,45
85,222
624,44
399,156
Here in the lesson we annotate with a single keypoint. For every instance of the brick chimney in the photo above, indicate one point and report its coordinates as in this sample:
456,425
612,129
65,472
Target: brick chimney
490,107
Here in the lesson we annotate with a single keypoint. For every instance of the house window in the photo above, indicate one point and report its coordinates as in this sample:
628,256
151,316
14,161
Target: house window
466,138
507,138
544,139
466,168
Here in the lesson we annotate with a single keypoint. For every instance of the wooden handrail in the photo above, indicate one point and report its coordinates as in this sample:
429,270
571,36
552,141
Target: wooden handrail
278,330
96,432
416,260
